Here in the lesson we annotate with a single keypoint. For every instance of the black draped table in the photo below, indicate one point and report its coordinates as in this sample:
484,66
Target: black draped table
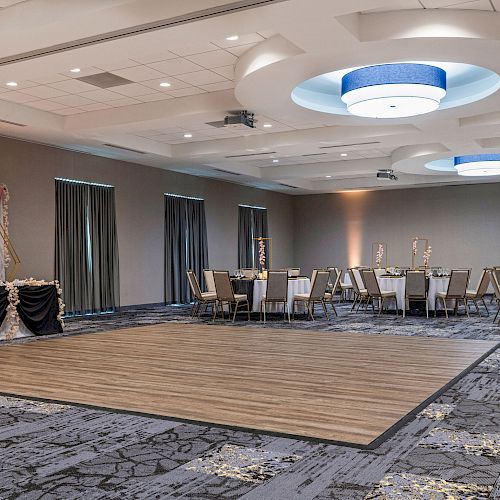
244,286
38,310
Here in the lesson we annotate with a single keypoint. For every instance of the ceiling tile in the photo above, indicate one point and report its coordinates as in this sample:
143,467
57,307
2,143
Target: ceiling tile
96,106
83,72
72,86
50,78
17,97
132,90
68,111
157,96
127,101
214,59
241,49
101,95
155,57
473,5
72,100
214,87
45,105
225,71
174,67
114,65
138,73
186,92
188,50
44,92
201,77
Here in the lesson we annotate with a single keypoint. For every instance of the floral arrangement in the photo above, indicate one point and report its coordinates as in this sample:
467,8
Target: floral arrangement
4,200
379,255
262,254
13,297
427,255
414,246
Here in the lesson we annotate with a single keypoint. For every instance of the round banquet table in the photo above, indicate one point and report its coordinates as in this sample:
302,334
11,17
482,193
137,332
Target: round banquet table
295,285
394,284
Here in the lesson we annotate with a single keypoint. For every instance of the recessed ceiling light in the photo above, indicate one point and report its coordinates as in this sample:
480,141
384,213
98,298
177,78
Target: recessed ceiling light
328,176
188,136
343,154
11,84
75,70
165,84
232,38
267,125
275,161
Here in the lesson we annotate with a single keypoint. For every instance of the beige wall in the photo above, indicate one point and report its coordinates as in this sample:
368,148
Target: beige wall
461,222
29,171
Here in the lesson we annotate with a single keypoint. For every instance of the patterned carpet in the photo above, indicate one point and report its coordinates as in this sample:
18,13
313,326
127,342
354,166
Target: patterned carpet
451,450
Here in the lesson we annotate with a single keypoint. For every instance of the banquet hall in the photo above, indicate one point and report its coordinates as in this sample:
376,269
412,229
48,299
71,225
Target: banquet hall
250,249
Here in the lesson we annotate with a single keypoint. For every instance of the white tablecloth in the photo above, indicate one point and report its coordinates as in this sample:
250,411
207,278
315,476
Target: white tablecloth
394,285
301,285
438,285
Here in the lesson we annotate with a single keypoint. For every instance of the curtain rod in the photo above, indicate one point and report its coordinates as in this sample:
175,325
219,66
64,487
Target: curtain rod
185,197
74,181
252,206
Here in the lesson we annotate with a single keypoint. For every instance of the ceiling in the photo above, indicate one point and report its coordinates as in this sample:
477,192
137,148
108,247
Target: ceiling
183,45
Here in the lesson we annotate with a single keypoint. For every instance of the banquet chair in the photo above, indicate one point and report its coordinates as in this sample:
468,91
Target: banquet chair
249,272
346,289
360,293
208,274
317,294
226,295
334,280
495,281
480,292
276,292
293,272
416,289
200,298
374,292
457,288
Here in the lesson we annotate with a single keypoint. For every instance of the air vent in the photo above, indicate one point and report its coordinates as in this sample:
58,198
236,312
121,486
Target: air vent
104,80
315,154
218,124
13,123
251,154
288,186
123,148
350,145
199,15
225,171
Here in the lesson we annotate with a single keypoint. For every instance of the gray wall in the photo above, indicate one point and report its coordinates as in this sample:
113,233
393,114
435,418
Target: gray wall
461,222
29,171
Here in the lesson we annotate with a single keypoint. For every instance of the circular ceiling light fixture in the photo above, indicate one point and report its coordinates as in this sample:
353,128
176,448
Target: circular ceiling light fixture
393,90
477,165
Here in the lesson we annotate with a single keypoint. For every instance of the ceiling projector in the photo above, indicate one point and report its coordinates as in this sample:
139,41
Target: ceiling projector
386,174
239,120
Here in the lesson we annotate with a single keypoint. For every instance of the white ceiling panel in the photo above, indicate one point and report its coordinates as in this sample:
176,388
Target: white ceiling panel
201,77
173,67
138,73
214,59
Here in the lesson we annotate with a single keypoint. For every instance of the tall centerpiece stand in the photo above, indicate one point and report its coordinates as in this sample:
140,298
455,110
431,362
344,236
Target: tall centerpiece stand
379,254
265,246
423,245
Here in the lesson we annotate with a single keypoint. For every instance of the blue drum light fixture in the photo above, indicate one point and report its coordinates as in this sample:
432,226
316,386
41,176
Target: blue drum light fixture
477,165
393,90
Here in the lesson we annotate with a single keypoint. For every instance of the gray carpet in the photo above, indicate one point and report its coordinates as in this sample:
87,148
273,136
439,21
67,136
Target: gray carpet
451,450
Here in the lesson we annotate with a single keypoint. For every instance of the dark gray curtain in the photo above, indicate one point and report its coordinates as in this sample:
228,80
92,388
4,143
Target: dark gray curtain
186,246
86,247
252,223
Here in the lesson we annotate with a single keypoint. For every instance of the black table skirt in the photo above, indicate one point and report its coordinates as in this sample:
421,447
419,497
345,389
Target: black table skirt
38,308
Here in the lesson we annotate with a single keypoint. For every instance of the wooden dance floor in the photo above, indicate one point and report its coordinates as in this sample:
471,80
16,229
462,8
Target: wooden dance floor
348,387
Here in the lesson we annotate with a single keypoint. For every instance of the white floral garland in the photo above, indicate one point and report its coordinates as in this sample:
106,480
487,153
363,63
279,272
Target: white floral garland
13,290
4,199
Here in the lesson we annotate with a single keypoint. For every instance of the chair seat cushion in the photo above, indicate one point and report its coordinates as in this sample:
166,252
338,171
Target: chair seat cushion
441,294
388,294
240,297
328,295
301,296
346,286
471,293
208,295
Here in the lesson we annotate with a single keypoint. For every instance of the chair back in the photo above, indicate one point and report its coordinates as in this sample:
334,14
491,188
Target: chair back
371,283
194,285
457,286
335,281
359,279
313,275
249,272
416,285
293,272
495,281
208,274
484,282
223,286
354,281
318,285
277,286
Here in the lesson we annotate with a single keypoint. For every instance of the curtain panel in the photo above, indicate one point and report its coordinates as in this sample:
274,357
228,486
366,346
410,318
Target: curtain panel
252,223
86,247
186,246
